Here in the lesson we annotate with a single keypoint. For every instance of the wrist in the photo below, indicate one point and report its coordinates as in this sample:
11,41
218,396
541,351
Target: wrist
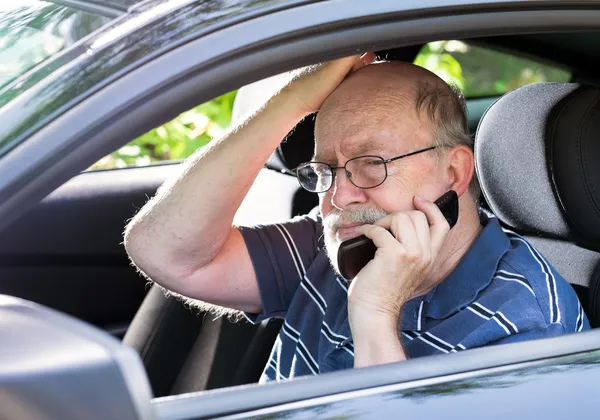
387,312
376,341
367,322
290,100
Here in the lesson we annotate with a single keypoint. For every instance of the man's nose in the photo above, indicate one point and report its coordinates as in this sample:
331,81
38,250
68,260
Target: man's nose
345,192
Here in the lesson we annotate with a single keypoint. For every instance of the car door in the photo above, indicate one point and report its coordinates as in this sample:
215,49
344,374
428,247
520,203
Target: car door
184,73
66,253
551,378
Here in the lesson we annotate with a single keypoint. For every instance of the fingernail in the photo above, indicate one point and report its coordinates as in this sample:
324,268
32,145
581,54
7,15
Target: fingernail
419,198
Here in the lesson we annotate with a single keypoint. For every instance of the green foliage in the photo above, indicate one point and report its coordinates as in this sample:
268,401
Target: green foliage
476,71
435,57
176,139
482,71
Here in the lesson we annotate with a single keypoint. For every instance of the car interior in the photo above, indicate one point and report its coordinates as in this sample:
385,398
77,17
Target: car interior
67,252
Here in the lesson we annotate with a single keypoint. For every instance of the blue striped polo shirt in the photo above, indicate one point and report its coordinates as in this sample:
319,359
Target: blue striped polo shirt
501,291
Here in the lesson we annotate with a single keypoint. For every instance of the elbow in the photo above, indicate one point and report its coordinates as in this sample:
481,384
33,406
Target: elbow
144,257
144,250
133,238
153,258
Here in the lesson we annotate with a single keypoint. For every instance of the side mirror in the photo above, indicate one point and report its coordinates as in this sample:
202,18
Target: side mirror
53,366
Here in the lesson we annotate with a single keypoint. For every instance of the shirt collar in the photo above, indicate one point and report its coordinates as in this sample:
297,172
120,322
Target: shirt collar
472,274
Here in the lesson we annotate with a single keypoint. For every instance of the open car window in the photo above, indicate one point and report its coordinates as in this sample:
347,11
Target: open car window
479,72
484,72
177,139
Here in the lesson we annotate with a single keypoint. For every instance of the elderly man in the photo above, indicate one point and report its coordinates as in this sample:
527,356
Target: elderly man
390,139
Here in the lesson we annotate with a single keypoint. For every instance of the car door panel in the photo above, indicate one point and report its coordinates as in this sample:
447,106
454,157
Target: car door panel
535,378
480,394
67,252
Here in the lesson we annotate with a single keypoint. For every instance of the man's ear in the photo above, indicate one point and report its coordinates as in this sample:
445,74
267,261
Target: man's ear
461,166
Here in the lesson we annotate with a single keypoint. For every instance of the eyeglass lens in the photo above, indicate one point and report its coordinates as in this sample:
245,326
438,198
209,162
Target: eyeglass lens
363,172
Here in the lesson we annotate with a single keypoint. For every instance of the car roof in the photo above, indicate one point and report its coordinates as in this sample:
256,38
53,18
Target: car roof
146,30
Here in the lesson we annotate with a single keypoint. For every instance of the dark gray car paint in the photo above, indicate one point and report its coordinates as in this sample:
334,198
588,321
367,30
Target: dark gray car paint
100,59
57,367
433,372
553,389
203,69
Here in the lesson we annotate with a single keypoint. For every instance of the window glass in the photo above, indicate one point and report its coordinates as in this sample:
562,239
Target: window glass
31,31
484,72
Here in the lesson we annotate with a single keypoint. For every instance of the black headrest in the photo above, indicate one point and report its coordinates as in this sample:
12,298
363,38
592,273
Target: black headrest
297,147
537,154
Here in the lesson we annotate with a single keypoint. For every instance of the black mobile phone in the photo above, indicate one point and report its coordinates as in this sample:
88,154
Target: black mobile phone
355,253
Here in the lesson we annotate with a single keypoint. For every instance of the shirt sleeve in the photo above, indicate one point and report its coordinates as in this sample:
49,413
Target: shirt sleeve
280,254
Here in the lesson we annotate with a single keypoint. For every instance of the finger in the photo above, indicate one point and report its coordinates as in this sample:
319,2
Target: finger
381,237
402,228
419,221
385,222
358,64
438,225
369,57
364,60
342,66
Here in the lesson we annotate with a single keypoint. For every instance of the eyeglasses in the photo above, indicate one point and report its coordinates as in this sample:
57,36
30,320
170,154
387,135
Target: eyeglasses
363,172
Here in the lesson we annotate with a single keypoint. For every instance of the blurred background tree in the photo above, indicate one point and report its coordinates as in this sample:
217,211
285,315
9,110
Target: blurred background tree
481,72
478,72
176,139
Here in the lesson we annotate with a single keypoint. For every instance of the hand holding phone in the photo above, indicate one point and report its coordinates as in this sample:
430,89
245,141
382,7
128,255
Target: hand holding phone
355,253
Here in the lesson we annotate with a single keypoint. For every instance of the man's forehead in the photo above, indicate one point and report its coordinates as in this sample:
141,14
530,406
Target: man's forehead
369,145
365,131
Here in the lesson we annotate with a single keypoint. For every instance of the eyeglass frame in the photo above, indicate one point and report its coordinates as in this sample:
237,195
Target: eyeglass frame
335,168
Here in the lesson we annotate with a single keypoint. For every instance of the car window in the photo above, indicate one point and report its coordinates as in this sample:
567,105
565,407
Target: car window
478,71
176,139
481,72
31,31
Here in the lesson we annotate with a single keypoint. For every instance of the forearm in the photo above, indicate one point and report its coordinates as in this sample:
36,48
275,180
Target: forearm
190,217
376,340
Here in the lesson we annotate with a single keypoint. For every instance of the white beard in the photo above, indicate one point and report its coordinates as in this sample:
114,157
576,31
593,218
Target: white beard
336,218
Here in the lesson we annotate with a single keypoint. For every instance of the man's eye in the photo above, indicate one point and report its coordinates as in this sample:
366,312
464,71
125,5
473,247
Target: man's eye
375,162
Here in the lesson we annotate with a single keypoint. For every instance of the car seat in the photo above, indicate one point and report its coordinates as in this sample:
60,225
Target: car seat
536,153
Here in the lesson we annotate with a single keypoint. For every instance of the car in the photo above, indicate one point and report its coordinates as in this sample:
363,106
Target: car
104,72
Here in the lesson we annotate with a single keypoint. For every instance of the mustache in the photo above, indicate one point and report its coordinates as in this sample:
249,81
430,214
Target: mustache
336,218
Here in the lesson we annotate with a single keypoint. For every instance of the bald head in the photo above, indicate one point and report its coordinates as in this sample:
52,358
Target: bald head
379,92
386,80
394,107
